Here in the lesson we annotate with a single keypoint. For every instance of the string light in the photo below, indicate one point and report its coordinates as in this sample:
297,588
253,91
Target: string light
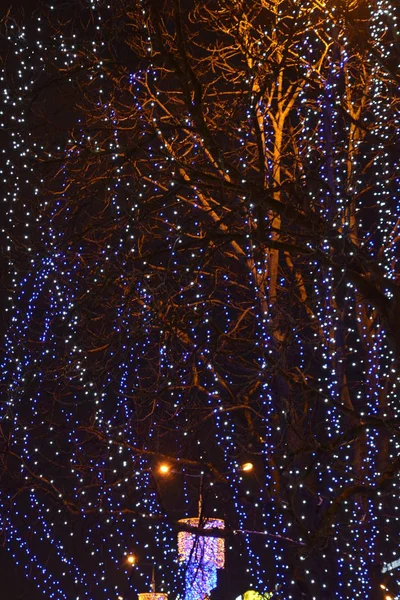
190,267
203,555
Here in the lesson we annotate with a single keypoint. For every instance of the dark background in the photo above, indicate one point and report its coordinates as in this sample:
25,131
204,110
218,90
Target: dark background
13,585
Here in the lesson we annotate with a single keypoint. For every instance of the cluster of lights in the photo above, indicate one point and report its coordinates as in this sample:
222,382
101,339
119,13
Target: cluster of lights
152,596
203,555
156,304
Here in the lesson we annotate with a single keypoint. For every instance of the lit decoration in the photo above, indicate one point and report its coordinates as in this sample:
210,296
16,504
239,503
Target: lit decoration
206,549
203,555
152,596
203,269
252,595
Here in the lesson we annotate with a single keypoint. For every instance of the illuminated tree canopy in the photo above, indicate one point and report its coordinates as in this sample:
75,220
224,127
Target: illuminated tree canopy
202,236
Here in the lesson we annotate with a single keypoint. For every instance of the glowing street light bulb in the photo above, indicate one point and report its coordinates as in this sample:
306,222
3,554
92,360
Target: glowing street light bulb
248,466
164,469
131,559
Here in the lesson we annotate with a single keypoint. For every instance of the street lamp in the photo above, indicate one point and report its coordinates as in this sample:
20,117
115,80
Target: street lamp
164,468
247,467
203,554
153,594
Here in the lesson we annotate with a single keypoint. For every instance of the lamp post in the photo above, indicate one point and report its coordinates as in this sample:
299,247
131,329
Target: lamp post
153,594
202,554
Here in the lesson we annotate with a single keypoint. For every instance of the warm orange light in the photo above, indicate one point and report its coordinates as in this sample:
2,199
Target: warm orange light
152,596
248,466
388,597
131,559
164,469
